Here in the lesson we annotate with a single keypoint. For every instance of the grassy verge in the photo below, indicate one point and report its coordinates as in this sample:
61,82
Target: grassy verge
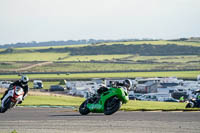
152,106
53,100
130,106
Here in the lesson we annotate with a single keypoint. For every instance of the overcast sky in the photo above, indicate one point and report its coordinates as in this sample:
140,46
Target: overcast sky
48,20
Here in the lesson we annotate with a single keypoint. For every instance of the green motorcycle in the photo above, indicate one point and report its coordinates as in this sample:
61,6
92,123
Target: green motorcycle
108,102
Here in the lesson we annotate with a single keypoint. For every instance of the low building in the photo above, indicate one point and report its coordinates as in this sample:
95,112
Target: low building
149,85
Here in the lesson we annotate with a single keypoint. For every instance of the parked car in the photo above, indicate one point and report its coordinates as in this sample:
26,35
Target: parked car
170,99
132,97
37,84
148,97
56,88
137,95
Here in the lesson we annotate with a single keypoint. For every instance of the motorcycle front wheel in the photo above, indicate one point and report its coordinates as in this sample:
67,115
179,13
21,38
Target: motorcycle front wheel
190,105
112,105
7,105
83,108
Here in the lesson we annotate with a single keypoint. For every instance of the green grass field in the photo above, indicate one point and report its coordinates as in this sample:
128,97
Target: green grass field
164,59
132,105
13,65
35,56
81,67
14,61
95,57
53,100
178,74
76,101
142,65
130,62
150,105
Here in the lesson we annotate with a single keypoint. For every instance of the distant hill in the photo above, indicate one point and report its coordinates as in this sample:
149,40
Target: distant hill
90,41
191,39
61,43
39,44
143,50
194,39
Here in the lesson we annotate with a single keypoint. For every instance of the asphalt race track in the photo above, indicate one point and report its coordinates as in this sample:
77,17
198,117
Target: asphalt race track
59,120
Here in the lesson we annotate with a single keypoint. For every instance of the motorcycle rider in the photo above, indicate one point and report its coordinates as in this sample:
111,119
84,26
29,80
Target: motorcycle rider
23,83
126,83
197,92
115,84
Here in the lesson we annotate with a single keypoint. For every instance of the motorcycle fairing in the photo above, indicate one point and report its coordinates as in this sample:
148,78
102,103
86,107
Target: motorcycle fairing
98,107
9,94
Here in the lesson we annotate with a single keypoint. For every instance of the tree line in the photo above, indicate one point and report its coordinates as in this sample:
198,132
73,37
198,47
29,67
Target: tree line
143,50
60,43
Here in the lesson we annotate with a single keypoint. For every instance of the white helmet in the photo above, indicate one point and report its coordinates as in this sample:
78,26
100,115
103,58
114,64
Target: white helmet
128,84
24,80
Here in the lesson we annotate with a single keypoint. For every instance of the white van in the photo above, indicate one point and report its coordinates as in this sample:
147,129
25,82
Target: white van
5,84
37,84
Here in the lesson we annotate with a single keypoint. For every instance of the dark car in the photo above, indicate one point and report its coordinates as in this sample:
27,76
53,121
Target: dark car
56,88
132,97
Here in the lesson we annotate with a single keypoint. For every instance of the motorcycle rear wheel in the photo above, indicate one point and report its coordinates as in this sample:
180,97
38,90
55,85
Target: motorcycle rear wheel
112,105
83,108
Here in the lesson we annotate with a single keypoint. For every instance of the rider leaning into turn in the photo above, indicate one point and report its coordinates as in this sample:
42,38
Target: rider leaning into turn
126,83
197,92
23,83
